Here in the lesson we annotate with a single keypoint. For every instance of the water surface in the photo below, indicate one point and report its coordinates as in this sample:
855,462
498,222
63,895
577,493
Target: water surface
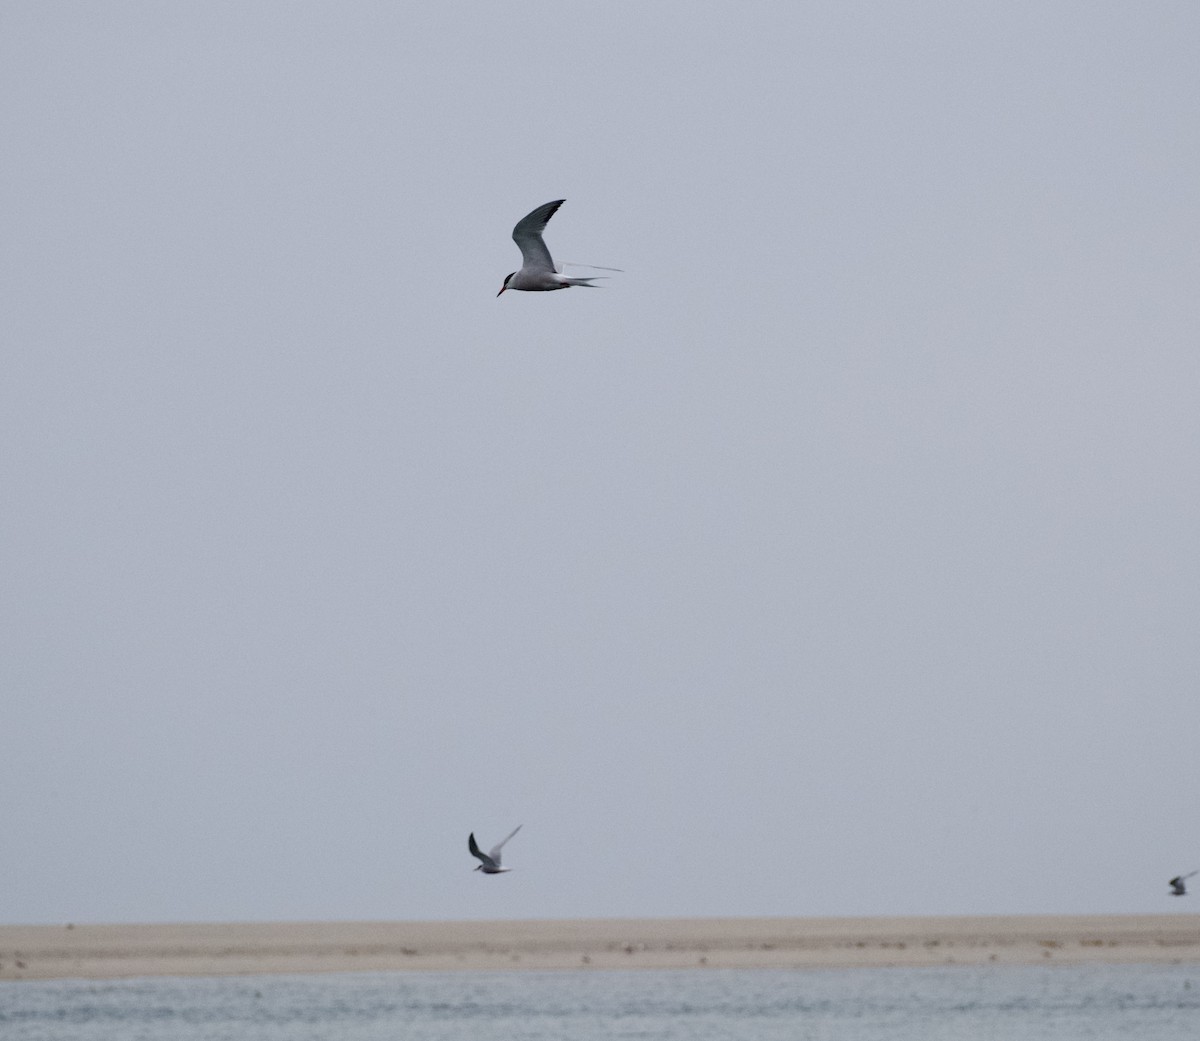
1143,1002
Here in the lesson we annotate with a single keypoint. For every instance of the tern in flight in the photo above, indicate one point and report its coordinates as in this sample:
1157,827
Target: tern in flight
489,863
538,273
1177,883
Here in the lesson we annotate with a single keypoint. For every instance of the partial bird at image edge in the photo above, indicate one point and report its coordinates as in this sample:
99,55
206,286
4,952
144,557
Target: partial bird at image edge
1178,883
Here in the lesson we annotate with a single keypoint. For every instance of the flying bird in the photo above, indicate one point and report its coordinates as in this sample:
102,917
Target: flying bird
1177,883
489,863
538,273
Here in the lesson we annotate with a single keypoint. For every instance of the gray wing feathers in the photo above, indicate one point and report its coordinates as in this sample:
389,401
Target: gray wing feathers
528,237
477,852
495,850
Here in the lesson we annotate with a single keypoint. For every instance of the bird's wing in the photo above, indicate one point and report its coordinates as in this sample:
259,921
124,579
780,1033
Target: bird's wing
1190,873
495,850
528,236
477,852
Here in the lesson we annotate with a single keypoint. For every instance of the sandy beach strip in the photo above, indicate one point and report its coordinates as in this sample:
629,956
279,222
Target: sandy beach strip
111,951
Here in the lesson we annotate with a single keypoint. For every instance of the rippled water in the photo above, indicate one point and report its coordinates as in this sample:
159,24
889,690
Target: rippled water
1146,1002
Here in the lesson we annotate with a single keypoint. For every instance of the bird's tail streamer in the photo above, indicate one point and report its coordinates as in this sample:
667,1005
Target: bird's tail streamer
593,267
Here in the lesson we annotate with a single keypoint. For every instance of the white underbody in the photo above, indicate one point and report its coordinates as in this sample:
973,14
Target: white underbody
535,280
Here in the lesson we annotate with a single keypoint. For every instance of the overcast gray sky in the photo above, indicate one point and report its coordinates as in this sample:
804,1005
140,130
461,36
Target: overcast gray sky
839,558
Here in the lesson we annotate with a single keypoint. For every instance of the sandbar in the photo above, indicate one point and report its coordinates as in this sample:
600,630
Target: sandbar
206,949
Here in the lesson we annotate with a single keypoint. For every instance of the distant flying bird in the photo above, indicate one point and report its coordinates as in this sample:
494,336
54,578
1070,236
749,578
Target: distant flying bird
538,273
490,861
1177,883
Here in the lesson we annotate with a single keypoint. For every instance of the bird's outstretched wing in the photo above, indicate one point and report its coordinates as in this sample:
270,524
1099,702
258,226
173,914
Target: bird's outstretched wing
477,852
528,236
494,853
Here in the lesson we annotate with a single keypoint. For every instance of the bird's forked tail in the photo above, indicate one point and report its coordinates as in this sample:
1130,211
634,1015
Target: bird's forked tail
584,281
